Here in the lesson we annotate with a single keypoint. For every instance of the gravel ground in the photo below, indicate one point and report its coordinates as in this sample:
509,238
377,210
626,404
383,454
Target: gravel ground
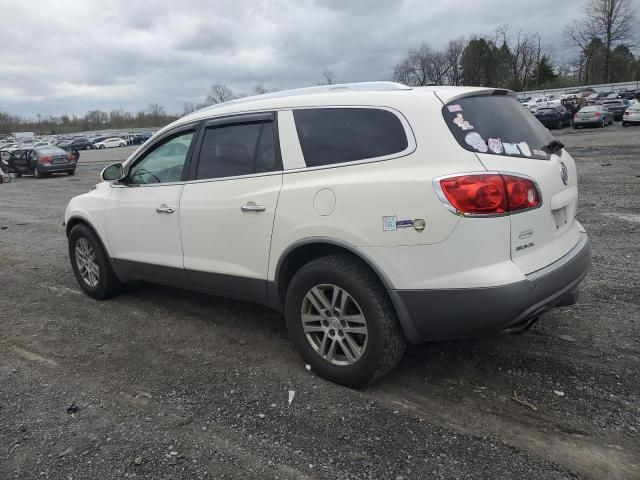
163,383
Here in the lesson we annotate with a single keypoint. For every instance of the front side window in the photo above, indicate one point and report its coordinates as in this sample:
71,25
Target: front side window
338,135
238,149
164,163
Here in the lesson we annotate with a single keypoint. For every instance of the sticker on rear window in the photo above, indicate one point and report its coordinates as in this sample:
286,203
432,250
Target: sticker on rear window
511,148
524,148
476,141
462,123
495,145
454,108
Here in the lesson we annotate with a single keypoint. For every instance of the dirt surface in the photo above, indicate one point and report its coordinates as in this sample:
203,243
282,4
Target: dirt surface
163,383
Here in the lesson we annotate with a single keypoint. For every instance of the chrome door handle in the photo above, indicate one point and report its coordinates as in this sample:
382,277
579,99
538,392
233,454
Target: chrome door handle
252,207
164,209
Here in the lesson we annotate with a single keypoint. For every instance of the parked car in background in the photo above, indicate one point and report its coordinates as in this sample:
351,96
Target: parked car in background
110,143
322,206
631,115
40,162
76,144
554,117
597,97
617,107
593,116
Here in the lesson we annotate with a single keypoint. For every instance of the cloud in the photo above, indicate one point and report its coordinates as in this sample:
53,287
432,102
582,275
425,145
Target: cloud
69,56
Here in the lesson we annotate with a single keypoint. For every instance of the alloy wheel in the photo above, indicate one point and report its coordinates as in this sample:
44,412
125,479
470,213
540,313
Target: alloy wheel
334,324
87,262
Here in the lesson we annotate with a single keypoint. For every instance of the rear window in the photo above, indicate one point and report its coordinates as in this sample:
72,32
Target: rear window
51,151
338,135
547,110
498,125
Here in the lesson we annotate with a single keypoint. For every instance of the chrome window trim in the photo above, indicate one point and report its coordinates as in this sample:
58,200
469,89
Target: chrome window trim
411,139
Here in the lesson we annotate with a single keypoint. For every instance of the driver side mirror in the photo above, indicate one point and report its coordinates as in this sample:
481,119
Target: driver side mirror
112,173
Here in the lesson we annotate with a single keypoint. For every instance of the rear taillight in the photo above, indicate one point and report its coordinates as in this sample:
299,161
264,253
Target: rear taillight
488,193
596,114
627,113
45,160
71,158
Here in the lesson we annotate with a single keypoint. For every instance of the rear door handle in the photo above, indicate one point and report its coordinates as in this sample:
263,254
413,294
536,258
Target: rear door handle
252,207
164,209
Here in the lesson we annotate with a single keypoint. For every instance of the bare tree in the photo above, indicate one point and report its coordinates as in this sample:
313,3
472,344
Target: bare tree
454,59
522,53
260,88
188,108
329,77
422,66
610,21
219,93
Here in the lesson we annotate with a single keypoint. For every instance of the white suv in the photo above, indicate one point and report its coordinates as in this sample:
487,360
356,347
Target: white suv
370,214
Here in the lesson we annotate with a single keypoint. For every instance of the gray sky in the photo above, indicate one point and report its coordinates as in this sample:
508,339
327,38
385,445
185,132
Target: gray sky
66,56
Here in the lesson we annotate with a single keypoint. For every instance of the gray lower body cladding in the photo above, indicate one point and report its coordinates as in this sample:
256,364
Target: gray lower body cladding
471,312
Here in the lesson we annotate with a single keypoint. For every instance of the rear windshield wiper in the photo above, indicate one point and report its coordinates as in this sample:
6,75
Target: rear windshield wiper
554,146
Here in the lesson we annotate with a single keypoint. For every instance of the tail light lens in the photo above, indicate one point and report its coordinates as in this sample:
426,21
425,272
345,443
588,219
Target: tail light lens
45,160
489,193
71,158
596,114
627,112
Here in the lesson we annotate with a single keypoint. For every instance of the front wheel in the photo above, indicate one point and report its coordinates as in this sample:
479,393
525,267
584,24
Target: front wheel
342,321
90,264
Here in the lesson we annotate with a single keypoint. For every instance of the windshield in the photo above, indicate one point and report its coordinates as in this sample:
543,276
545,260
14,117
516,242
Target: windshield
498,125
547,110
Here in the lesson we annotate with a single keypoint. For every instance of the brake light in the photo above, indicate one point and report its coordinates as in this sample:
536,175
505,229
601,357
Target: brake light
596,114
71,158
627,112
45,160
489,193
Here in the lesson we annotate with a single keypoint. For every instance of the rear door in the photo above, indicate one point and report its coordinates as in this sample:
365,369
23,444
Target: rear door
227,208
508,139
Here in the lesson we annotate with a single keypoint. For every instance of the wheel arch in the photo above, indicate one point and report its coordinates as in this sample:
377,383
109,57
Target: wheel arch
78,220
305,250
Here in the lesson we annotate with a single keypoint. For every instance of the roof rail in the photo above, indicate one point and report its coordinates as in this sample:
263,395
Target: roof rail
340,87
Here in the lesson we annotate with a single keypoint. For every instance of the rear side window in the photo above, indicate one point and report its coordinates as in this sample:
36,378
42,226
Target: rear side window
498,125
238,149
338,135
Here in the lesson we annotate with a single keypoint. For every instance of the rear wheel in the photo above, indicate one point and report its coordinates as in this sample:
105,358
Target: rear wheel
90,264
559,125
342,321
604,123
38,173
18,174
71,172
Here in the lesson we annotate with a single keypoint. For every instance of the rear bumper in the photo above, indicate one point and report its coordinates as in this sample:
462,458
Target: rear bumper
458,313
65,167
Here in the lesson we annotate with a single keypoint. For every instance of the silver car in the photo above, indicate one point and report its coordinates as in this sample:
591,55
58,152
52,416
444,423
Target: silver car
593,116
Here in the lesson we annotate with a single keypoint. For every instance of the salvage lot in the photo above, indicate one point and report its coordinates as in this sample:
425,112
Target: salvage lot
173,384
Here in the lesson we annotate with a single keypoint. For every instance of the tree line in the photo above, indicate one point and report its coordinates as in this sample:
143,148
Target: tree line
602,37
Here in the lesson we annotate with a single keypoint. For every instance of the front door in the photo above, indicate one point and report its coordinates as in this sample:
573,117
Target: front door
227,209
142,218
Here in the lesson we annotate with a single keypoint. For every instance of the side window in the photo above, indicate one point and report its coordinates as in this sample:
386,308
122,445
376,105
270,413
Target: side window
337,135
164,163
239,149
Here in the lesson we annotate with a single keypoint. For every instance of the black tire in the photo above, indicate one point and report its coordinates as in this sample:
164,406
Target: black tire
18,174
71,172
108,283
604,123
559,125
385,345
575,127
625,124
37,173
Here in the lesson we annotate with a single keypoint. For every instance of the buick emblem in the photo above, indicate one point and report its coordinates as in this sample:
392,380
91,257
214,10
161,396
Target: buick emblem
564,173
